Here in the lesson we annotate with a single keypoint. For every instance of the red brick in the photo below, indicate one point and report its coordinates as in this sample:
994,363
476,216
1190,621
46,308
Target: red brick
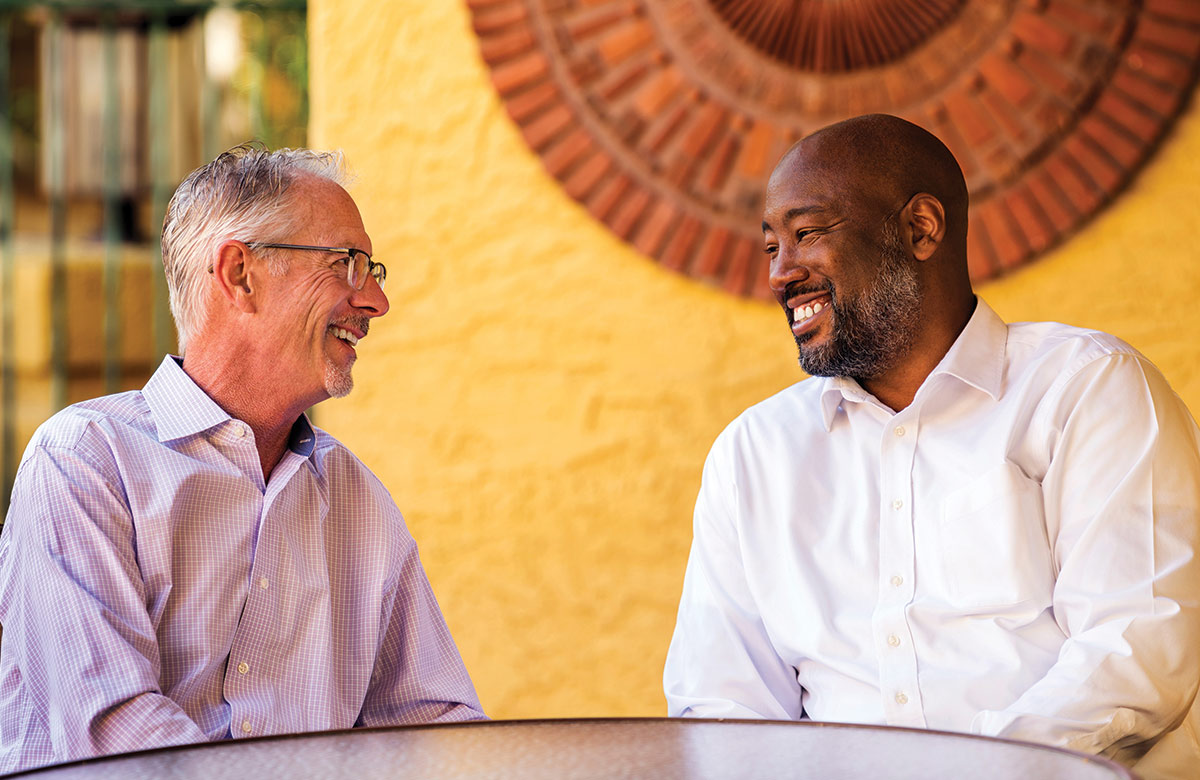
1003,112
497,48
981,261
1048,73
1128,115
1007,79
620,82
1008,243
584,26
1001,163
969,118
584,178
659,91
518,73
1181,10
541,130
752,163
629,212
1147,92
562,154
677,252
635,35
666,130
1029,218
1099,167
711,254
497,16
720,163
709,119
585,70
1080,190
1051,200
1082,17
654,228
1035,31
1149,61
533,101
603,200
1172,37
739,273
1128,153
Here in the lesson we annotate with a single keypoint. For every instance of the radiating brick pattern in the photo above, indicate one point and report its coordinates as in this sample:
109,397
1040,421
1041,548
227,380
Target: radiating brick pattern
664,117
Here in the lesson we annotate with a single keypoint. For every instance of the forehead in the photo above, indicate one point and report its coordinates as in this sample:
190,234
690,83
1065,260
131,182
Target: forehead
329,213
809,183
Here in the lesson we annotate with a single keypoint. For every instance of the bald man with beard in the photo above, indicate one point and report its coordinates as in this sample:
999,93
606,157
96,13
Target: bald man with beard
957,523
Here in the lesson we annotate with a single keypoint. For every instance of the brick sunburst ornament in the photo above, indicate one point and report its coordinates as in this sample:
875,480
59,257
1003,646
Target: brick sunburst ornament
664,117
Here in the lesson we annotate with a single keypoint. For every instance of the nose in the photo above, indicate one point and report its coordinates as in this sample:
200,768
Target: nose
785,269
371,299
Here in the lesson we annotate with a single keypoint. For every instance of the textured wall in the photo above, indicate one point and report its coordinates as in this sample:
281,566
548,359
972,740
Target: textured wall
540,398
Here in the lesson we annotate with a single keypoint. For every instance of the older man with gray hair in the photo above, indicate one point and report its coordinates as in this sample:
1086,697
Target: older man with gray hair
195,561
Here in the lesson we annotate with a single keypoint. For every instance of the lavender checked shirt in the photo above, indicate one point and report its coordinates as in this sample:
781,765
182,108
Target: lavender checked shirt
154,590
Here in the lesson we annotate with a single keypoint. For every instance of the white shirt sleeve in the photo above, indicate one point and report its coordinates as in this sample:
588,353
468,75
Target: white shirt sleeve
1122,502
721,662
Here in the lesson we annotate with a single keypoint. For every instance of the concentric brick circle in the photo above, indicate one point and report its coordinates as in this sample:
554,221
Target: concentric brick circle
664,117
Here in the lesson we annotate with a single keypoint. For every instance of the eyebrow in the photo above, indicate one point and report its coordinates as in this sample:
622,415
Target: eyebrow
795,212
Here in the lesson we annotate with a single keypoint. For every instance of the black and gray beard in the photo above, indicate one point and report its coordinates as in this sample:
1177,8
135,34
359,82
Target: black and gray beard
870,332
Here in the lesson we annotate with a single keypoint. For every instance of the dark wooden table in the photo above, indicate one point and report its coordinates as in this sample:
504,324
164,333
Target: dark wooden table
630,748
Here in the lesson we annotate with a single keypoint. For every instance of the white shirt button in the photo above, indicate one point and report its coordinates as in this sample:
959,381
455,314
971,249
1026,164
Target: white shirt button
897,580
246,727
263,582
901,698
899,430
897,504
239,430
243,667
893,640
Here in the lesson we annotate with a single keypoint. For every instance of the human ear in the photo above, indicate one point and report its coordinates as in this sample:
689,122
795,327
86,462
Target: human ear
925,219
231,270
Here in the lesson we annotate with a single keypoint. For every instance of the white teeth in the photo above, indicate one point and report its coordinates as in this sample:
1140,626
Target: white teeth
346,335
817,307
808,312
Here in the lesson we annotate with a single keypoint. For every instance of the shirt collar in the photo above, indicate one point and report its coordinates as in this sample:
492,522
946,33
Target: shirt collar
976,358
181,408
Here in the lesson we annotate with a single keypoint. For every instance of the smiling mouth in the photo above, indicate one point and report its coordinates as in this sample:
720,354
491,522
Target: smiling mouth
344,335
803,310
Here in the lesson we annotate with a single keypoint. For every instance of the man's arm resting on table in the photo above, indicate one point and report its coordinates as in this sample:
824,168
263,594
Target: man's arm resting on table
80,656
1123,493
721,663
419,676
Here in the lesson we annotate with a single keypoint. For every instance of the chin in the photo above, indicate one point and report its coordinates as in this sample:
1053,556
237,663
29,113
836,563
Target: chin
338,382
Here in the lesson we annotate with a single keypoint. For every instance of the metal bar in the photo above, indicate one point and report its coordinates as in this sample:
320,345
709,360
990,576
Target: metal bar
8,374
112,195
56,143
159,176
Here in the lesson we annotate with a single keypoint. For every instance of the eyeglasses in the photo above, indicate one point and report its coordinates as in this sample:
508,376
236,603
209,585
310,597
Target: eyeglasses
358,263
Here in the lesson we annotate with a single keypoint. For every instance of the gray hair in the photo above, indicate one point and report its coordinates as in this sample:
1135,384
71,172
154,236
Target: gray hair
242,194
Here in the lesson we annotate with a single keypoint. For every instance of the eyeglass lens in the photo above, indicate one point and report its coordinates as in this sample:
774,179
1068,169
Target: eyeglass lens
360,266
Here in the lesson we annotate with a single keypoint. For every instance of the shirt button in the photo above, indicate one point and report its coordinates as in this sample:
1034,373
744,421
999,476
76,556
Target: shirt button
893,640
897,504
263,582
899,430
901,698
243,667
239,430
247,728
897,580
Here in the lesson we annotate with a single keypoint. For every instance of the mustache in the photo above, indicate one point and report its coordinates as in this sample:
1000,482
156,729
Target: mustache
358,322
807,288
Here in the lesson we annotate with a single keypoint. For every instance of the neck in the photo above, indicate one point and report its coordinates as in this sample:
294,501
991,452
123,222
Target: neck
238,385
898,386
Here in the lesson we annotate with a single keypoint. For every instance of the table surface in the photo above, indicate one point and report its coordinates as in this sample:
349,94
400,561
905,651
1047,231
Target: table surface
603,748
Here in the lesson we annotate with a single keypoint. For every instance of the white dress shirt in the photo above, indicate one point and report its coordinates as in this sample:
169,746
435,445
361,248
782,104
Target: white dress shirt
155,589
1013,554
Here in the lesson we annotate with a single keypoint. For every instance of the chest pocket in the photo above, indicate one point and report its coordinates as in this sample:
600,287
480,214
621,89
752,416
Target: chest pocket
992,542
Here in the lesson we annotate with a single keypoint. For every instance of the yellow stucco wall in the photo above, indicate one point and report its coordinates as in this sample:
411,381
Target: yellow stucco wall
541,398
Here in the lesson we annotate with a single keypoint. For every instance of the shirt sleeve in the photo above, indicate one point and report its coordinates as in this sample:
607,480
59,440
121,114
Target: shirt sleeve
419,676
721,662
1122,496
80,665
